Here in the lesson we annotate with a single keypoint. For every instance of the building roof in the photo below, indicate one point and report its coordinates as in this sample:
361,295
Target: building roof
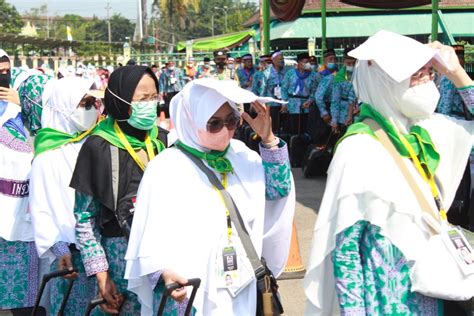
337,6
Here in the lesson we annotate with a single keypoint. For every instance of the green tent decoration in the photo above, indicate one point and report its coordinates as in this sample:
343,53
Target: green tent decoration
219,42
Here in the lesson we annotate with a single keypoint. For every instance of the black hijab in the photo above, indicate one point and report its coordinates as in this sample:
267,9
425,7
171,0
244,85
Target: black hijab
122,82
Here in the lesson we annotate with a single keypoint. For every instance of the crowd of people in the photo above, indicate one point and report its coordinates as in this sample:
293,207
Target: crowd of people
90,183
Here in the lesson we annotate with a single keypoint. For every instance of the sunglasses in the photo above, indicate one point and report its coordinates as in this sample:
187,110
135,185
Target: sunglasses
215,125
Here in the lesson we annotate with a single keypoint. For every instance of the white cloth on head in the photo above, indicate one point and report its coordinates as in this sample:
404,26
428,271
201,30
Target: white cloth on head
399,56
200,99
181,228
4,53
364,183
63,97
51,198
12,109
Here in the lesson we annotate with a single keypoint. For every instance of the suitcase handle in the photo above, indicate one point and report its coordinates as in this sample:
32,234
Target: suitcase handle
93,304
195,283
99,301
46,279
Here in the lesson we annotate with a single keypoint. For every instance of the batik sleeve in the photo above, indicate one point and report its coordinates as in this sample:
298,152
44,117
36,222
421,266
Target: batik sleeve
319,97
348,270
336,103
285,86
467,95
86,211
276,165
447,91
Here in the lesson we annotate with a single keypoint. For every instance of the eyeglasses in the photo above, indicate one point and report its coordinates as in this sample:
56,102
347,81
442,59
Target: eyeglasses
215,125
90,102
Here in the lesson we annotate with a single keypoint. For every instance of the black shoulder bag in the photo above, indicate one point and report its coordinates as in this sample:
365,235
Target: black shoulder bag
268,299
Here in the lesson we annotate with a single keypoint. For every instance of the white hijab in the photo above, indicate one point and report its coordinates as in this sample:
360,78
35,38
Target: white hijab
61,102
363,181
51,198
12,110
180,227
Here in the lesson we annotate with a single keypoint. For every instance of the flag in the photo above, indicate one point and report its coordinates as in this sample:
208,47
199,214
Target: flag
68,33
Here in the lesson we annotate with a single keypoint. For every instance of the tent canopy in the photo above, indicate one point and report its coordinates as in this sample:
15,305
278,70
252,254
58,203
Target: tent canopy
219,42
459,24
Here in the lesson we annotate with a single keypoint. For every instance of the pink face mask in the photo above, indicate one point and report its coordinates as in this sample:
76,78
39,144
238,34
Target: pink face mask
216,141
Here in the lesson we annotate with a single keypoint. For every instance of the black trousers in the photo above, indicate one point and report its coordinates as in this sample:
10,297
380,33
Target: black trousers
166,107
298,123
275,115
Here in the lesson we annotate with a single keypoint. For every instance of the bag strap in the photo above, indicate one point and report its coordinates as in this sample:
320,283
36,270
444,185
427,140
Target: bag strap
258,267
114,155
422,201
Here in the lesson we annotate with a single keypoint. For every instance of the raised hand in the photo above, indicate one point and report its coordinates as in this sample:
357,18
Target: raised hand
262,123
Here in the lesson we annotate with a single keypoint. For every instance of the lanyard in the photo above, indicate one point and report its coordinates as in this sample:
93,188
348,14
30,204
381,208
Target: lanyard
428,179
227,213
128,147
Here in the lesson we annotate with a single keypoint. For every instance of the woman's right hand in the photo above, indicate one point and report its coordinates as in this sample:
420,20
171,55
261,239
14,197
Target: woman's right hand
456,74
65,262
108,291
169,277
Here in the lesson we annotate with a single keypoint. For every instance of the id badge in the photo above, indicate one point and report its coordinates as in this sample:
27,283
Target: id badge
234,271
172,80
228,273
460,249
277,92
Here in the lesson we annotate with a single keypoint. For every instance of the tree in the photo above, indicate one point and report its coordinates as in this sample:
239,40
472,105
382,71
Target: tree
121,28
198,23
10,19
172,11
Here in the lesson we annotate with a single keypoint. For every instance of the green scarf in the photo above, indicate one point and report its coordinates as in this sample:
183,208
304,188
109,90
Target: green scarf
418,138
215,159
49,138
340,76
105,129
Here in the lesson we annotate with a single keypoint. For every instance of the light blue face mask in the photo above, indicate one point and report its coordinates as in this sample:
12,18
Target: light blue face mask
143,115
331,66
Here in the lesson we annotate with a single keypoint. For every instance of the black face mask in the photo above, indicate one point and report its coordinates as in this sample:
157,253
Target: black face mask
5,80
221,64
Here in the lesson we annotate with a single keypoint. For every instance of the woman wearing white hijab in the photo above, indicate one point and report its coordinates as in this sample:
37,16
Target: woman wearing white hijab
9,101
179,232
69,113
372,236
19,264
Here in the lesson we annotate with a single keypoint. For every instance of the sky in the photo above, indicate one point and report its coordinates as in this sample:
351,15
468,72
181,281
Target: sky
87,8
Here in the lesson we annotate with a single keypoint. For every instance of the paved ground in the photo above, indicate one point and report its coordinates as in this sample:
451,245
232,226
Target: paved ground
308,198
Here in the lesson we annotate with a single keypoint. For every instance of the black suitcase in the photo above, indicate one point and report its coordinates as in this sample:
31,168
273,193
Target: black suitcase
317,128
317,159
298,145
38,310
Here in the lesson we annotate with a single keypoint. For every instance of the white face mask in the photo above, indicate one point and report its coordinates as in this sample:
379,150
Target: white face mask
307,66
230,66
420,101
84,119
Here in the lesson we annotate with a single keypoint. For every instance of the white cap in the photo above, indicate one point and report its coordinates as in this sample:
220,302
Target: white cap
399,56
